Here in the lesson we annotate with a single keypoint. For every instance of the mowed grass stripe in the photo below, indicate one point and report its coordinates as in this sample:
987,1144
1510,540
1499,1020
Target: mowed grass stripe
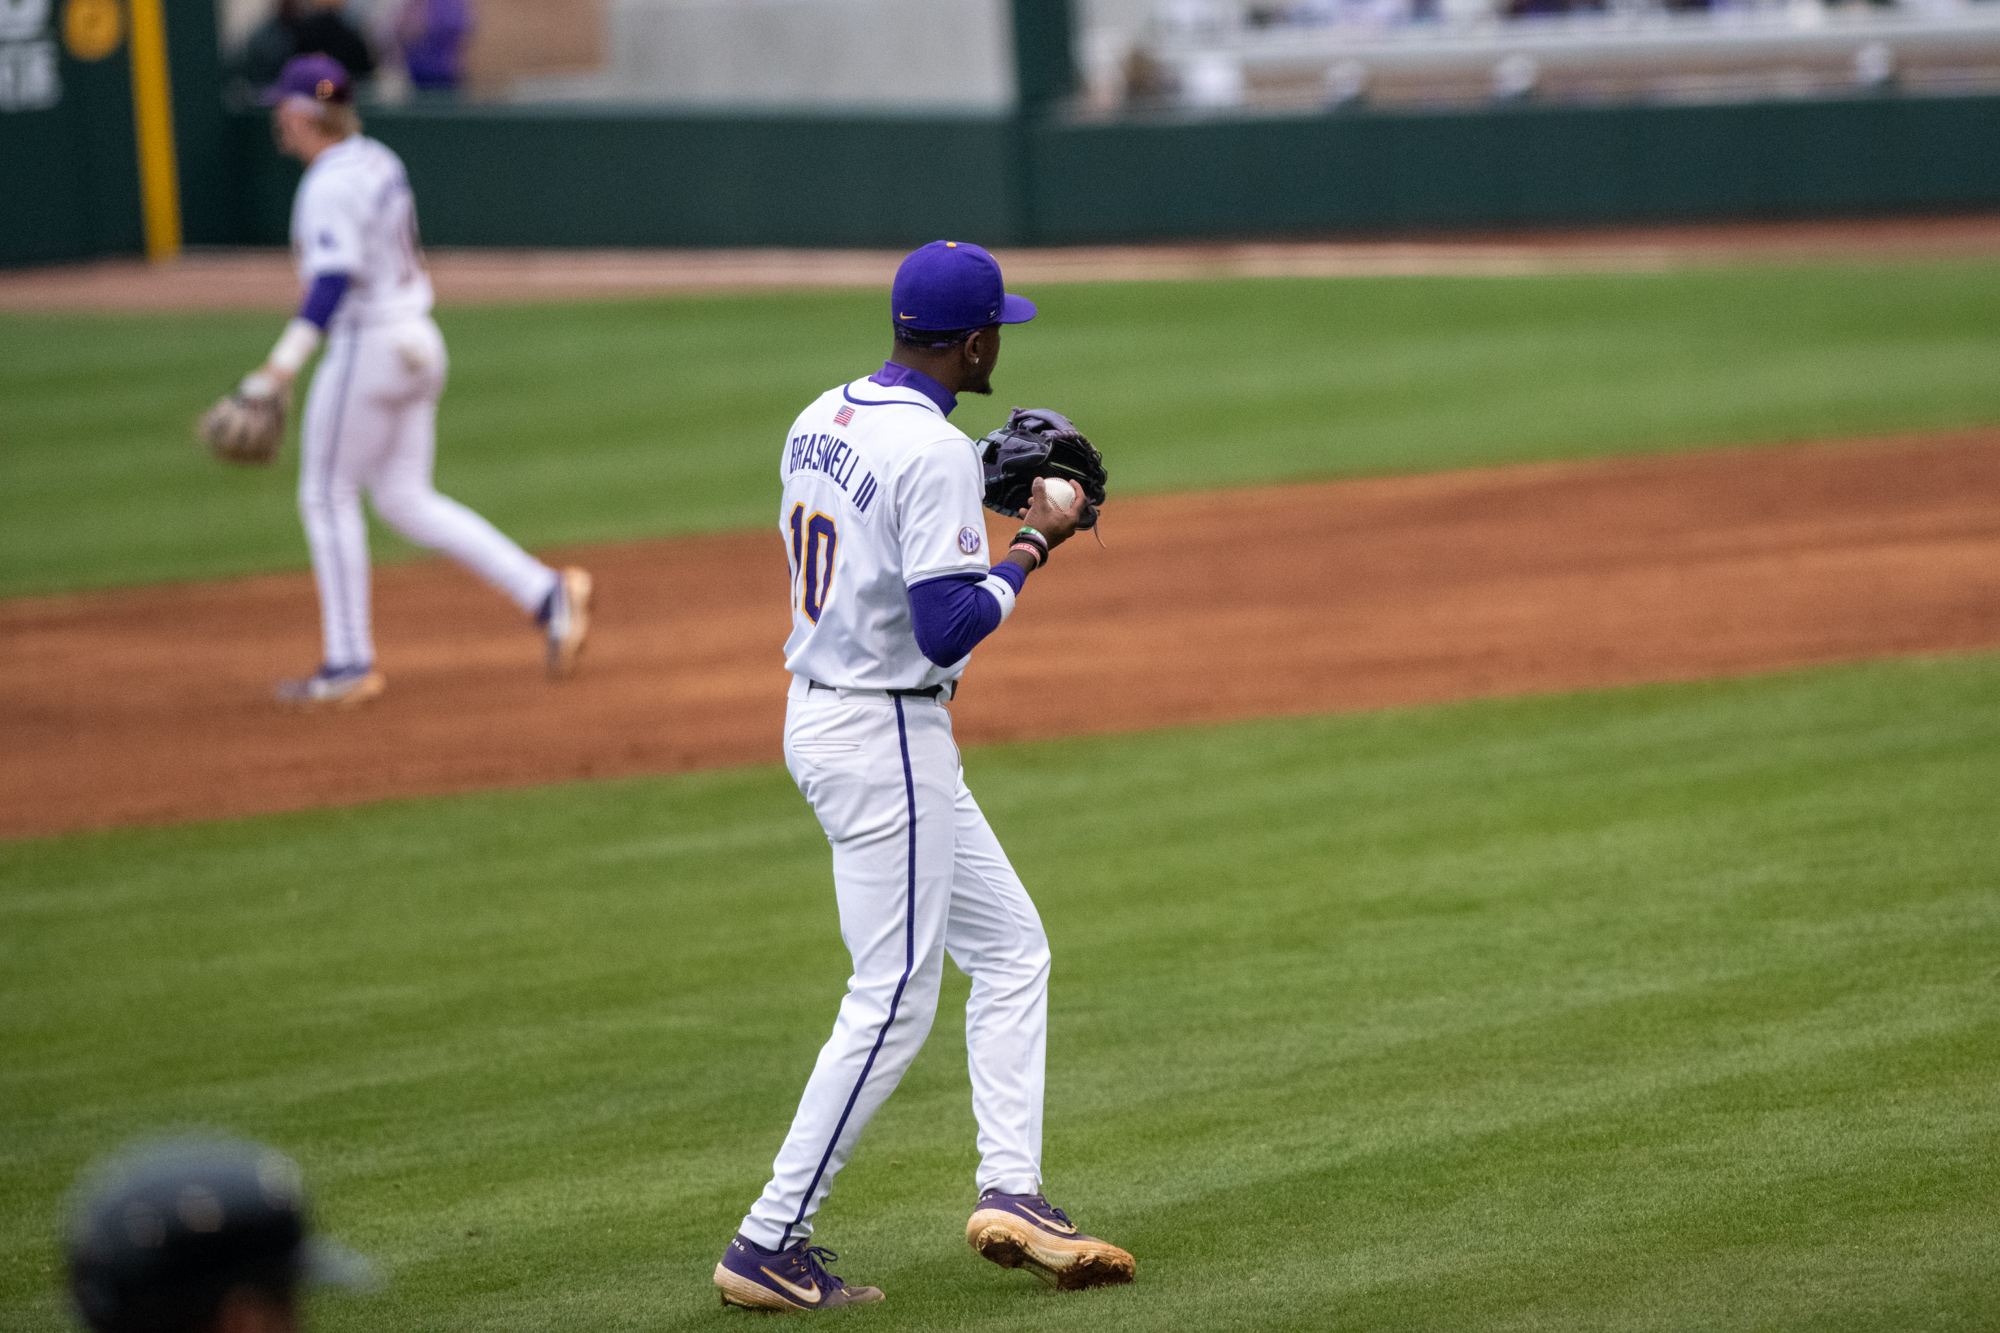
596,422
1654,1008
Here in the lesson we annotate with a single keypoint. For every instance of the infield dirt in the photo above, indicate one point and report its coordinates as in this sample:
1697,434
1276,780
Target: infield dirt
152,705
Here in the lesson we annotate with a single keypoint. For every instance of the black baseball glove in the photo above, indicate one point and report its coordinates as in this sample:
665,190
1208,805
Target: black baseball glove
1036,442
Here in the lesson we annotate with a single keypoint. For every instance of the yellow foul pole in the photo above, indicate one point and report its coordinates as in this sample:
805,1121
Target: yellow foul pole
153,122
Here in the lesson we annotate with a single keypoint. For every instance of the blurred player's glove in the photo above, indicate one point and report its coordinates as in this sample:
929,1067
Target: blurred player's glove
243,428
1036,442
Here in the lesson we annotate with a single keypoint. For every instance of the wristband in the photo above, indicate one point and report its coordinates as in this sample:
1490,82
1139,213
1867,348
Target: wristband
301,337
1027,539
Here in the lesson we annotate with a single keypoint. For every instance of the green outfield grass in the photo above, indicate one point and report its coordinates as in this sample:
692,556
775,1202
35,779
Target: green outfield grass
583,423
1661,1008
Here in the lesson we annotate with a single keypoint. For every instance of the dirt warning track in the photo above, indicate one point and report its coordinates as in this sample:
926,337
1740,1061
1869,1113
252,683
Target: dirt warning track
150,705
264,279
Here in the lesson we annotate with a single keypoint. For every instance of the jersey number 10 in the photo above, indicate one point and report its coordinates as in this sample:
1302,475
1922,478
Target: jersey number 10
813,543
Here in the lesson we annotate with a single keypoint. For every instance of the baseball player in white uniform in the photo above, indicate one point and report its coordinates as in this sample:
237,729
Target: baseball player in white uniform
371,416
891,589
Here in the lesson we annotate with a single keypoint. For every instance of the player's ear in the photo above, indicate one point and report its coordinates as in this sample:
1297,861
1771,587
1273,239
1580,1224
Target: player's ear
982,344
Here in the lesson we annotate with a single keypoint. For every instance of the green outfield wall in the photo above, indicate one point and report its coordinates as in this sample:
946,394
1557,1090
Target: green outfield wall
648,176
69,176
519,176
508,176
1513,166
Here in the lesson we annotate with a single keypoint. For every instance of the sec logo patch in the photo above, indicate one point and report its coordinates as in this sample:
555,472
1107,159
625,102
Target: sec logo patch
968,540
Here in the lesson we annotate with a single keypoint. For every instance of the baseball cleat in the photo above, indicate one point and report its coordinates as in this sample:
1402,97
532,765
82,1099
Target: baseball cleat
1023,1231
333,688
568,620
795,1279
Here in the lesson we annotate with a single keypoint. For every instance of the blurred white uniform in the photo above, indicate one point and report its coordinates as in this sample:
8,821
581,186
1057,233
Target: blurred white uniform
882,494
371,415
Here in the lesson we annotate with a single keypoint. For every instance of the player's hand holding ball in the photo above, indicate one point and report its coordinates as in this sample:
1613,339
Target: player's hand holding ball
1040,468
1055,509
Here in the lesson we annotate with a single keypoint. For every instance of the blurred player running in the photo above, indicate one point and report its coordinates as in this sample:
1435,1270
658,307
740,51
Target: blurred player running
371,416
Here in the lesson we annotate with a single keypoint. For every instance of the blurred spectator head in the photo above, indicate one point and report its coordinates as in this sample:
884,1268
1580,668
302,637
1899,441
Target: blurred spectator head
197,1236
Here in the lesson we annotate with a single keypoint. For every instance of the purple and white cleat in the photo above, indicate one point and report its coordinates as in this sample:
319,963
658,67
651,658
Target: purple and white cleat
1023,1231
565,620
332,687
795,1279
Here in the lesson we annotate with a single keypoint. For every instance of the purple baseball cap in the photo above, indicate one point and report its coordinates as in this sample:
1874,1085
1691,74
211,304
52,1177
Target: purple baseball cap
952,285
317,78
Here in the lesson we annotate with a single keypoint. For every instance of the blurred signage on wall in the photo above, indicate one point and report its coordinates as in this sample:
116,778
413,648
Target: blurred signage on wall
30,79
92,29
30,68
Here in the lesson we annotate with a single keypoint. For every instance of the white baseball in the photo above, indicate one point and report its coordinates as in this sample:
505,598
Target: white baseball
1061,494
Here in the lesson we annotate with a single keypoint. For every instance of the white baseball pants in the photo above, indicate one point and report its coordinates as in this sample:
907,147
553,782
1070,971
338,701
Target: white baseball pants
371,422
918,873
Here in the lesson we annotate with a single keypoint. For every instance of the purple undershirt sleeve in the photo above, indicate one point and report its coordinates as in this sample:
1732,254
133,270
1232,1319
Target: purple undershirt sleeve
323,298
953,613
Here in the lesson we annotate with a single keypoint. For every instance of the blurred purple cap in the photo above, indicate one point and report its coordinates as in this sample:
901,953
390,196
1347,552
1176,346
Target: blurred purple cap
951,285
319,78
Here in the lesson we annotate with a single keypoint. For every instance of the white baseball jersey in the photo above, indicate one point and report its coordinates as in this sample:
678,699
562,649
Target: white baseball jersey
371,416
881,492
354,214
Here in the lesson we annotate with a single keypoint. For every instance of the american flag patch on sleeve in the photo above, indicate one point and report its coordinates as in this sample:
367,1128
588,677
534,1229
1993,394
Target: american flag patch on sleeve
843,416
